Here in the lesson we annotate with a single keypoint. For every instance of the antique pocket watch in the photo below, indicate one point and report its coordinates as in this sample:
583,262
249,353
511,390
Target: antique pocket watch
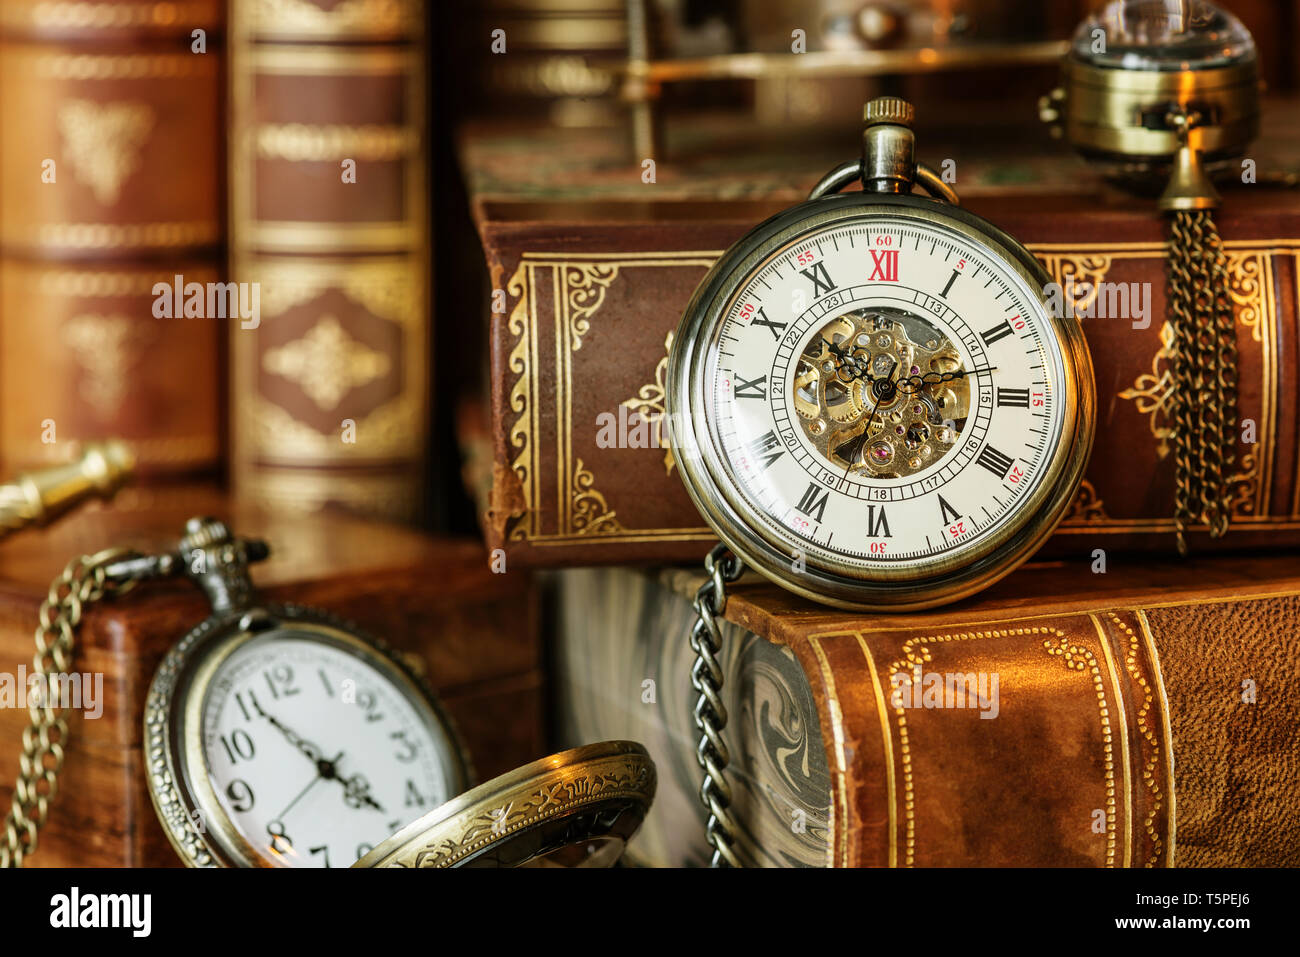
871,402
278,735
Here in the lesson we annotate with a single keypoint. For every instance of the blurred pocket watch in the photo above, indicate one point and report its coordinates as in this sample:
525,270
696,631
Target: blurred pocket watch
278,735
1159,95
873,405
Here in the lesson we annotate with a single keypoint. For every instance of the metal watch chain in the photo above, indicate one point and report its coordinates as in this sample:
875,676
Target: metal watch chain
1204,396
83,582
710,712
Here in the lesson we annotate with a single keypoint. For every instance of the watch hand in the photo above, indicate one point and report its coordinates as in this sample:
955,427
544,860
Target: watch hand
854,367
915,383
356,791
882,387
324,770
306,747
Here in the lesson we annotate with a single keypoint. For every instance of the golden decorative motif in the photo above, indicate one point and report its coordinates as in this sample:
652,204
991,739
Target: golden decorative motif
50,15
602,778
94,285
648,403
326,363
114,236
1078,658
353,17
1151,391
1246,269
585,285
106,348
1243,486
1078,268
387,428
102,141
1055,642
307,142
522,401
84,66
1086,507
1147,729
390,289
591,514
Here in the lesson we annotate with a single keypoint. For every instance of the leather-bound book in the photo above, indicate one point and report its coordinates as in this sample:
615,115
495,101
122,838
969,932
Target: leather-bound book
1145,717
592,267
329,391
473,634
111,183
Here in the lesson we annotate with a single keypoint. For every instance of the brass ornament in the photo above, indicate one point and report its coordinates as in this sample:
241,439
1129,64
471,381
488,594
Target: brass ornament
1163,98
577,808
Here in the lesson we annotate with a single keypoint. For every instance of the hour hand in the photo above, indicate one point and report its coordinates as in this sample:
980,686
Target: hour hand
356,792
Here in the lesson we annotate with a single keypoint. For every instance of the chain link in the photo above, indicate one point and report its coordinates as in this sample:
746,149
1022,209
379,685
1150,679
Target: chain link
83,582
1204,396
710,713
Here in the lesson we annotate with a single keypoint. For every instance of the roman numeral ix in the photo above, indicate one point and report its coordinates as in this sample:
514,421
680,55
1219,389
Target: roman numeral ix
768,448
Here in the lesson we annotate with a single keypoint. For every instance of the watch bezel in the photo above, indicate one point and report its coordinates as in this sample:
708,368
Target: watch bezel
193,818
722,508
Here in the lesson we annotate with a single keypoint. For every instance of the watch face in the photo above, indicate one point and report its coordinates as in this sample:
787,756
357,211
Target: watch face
299,744
878,401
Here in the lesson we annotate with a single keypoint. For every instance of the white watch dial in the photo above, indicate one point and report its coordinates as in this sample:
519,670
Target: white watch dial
315,754
884,394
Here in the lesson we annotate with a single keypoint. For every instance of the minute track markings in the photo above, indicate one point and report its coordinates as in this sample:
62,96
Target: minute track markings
848,294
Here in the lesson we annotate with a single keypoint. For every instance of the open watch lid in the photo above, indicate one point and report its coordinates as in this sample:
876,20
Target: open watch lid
577,808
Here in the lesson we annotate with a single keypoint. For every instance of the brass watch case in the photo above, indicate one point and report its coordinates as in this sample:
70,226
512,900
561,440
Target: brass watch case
196,824
744,531
577,808
1101,110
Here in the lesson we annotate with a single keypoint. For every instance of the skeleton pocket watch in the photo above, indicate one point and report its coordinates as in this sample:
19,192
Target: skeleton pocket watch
872,405
871,401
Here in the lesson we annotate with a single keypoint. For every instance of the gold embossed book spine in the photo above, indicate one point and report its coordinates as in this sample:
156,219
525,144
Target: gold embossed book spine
1142,718
329,392
111,181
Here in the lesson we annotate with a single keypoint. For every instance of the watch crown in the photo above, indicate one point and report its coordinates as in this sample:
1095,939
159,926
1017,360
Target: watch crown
202,532
888,109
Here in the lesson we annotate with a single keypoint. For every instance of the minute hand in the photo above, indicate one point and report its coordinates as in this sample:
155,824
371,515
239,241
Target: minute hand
914,383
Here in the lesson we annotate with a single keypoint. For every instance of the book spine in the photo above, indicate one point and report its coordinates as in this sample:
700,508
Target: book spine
1095,733
111,181
329,388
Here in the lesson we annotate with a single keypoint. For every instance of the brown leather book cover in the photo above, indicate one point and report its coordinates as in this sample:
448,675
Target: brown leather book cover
589,291
1146,717
474,634
329,391
111,181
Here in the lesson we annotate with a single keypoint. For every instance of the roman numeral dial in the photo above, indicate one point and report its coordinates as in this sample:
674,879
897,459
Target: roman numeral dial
882,393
